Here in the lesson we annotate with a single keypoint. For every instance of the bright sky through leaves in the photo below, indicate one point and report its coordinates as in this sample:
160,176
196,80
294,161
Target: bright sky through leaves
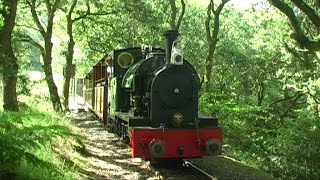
239,4
243,4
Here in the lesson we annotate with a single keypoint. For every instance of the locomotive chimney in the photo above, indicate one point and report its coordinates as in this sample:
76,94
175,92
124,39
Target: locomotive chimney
171,36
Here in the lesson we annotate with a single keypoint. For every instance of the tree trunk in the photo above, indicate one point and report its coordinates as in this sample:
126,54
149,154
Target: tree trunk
208,68
69,60
261,92
47,66
53,90
46,33
69,57
66,88
212,40
10,100
7,58
174,22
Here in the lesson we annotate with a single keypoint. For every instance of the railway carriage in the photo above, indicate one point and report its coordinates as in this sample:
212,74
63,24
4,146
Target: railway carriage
149,97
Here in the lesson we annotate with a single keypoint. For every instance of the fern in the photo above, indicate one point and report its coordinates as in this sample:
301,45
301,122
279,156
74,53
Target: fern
23,136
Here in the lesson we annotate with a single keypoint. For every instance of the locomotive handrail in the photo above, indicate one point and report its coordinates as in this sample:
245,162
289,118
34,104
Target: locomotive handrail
100,80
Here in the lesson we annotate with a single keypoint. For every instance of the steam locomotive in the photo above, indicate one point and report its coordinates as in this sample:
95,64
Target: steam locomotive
149,97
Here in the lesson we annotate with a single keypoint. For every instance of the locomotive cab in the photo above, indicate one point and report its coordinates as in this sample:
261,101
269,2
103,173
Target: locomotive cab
138,77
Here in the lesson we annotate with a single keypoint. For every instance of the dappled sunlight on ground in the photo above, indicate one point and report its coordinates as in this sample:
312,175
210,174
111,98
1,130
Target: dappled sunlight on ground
108,157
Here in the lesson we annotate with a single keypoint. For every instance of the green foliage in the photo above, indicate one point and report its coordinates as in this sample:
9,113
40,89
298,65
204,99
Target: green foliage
193,36
1,21
279,136
288,148
26,145
240,122
295,149
24,84
137,22
265,89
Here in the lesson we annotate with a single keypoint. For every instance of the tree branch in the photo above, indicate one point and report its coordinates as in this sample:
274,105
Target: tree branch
316,100
48,5
30,27
286,99
293,52
297,96
51,12
174,23
216,21
173,13
311,14
82,16
207,22
28,39
297,34
94,47
102,14
226,31
53,9
69,15
35,17
183,4
89,13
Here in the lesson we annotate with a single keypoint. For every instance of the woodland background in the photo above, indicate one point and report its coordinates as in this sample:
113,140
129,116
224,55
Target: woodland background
260,67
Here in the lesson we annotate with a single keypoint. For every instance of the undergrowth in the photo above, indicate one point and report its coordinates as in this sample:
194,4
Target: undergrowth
287,148
30,144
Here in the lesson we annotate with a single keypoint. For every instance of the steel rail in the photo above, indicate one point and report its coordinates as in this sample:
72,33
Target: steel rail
202,171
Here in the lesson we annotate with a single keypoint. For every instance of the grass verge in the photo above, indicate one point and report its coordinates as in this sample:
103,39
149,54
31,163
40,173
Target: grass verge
37,144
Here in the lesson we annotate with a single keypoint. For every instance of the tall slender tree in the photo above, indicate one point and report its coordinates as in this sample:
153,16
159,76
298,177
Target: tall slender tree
176,21
46,30
8,61
81,15
70,52
212,25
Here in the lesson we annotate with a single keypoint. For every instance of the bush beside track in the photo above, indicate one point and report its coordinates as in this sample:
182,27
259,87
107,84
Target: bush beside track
287,148
34,144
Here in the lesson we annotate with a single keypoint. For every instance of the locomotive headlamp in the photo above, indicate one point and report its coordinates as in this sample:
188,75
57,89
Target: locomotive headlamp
178,58
177,119
176,53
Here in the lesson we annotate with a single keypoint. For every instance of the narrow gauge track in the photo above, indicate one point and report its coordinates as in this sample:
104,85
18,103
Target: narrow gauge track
209,176
179,170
